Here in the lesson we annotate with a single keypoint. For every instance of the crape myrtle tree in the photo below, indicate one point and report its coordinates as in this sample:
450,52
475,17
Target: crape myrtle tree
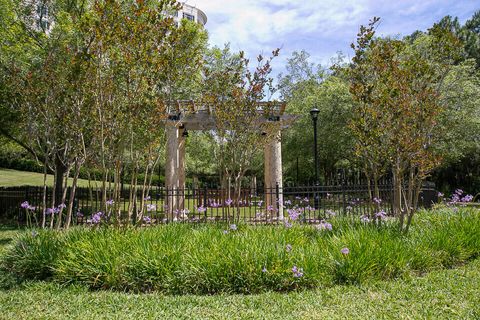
89,87
139,59
233,91
461,94
42,99
398,108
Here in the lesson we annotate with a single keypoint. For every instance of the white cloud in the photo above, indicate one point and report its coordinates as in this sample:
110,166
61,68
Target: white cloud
322,27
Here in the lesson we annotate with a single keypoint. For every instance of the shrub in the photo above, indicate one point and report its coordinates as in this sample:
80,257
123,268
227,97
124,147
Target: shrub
212,258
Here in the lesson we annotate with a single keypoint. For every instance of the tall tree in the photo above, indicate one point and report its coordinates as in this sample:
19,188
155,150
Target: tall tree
396,117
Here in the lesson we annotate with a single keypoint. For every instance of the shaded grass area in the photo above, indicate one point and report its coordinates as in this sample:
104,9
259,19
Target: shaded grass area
441,294
7,234
13,178
206,258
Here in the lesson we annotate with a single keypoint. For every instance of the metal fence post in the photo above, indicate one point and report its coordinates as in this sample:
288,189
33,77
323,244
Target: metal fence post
277,199
344,200
205,190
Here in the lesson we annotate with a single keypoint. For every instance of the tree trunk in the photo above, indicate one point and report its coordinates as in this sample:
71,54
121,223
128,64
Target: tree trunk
60,172
64,197
44,194
72,194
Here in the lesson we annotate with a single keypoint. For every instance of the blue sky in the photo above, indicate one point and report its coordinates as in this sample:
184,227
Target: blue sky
321,27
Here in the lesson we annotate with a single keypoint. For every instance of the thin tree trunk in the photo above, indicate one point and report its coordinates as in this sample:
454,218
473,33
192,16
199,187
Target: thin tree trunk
52,214
72,193
64,197
44,194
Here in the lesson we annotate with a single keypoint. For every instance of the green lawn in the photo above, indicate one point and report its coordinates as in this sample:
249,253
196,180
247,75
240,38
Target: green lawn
12,178
442,294
445,294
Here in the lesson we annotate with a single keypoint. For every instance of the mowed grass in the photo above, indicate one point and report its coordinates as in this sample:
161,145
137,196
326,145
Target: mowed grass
14,178
441,294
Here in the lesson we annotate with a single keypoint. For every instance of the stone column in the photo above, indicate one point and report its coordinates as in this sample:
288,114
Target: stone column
174,170
253,186
181,170
273,176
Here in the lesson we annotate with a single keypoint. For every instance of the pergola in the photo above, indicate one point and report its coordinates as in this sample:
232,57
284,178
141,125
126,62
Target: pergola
188,115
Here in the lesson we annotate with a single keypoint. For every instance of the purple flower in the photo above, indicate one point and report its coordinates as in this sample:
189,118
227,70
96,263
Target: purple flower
440,195
288,247
213,204
233,227
185,212
25,205
147,219
365,219
50,211
377,200
287,203
151,207
293,213
287,224
457,197
228,202
330,213
345,251
381,215
225,231
297,272
324,226
270,208
110,202
260,203
201,209
79,214
97,217
147,198
264,269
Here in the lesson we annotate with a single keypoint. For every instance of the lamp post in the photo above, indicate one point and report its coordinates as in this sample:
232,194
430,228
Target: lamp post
314,114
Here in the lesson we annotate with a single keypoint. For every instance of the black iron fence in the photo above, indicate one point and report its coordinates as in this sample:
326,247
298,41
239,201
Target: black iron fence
161,205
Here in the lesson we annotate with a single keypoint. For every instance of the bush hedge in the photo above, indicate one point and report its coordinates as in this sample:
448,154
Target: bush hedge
211,258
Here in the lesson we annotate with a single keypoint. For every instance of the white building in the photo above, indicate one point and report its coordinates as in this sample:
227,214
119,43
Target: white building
191,13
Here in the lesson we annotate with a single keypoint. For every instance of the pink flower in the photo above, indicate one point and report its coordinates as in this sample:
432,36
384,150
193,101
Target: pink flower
345,251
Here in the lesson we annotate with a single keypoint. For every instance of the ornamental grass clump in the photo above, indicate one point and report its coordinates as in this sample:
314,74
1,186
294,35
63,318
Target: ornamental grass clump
204,259
33,255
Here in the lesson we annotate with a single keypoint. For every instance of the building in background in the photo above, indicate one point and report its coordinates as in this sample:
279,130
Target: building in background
191,13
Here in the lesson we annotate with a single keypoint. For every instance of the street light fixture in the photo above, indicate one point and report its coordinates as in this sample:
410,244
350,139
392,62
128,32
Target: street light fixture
314,114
